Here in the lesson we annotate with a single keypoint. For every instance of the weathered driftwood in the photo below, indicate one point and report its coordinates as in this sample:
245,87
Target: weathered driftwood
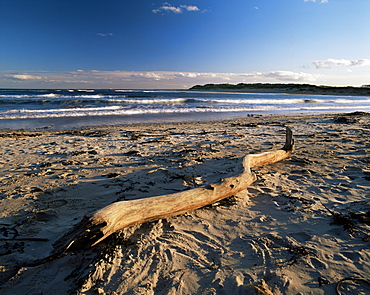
120,215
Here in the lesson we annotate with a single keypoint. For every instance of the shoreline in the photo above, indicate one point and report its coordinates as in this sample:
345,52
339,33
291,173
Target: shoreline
278,231
70,123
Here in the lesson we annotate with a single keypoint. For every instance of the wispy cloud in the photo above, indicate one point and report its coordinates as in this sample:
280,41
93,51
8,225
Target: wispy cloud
158,76
21,77
149,79
321,1
149,75
167,7
293,76
285,76
104,34
178,79
195,77
327,64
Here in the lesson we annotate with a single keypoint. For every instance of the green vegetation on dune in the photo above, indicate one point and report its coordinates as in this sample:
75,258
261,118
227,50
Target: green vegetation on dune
281,87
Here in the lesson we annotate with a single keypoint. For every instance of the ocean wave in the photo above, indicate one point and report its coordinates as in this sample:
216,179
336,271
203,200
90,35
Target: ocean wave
127,90
291,101
57,99
34,104
119,111
259,101
151,101
78,112
49,95
71,110
90,96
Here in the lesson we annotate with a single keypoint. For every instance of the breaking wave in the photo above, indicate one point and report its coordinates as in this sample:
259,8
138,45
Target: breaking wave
29,104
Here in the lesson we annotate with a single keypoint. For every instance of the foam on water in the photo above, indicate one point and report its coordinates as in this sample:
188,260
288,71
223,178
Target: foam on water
43,104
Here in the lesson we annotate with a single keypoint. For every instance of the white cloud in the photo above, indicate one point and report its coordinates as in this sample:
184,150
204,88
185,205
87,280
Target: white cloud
22,77
177,75
166,7
327,64
149,75
186,75
292,76
104,34
322,1
150,79
195,75
190,7
204,76
173,79
285,76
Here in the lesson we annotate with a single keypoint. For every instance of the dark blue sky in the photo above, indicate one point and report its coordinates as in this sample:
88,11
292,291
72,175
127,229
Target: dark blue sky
120,43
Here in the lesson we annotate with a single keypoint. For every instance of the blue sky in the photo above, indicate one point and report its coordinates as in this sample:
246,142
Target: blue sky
180,43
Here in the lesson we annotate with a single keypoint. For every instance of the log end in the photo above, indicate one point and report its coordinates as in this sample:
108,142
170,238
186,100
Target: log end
83,235
289,140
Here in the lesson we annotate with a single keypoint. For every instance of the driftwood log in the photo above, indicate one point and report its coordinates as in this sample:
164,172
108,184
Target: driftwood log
92,230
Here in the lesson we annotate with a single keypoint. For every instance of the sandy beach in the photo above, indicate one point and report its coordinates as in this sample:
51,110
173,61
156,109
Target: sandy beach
301,228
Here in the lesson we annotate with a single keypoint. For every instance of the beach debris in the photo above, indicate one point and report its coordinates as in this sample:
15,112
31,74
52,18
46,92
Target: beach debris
360,211
132,153
122,214
342,219
119,215
136,136
78,153
345,120
22,134
322,281
362,286
348,220
113,175
350,118
90,133
45,127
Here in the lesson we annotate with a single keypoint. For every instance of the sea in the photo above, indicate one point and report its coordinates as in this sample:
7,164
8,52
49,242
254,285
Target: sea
61,109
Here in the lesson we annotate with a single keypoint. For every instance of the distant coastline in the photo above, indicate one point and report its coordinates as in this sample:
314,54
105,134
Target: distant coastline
286,88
